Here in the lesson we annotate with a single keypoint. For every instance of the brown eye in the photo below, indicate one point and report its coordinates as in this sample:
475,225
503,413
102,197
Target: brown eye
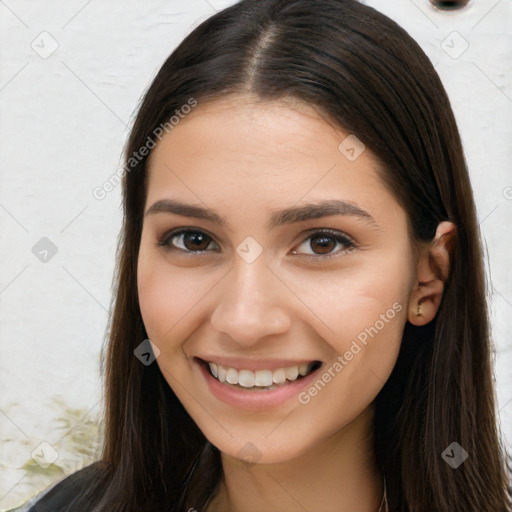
186,241
195,241
323,243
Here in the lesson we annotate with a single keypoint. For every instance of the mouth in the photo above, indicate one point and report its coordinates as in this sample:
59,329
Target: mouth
245,379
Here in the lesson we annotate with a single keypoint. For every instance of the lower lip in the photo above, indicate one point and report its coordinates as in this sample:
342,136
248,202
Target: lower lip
253,399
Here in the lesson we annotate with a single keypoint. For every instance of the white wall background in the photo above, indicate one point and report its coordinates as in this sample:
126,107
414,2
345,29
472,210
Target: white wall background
65,118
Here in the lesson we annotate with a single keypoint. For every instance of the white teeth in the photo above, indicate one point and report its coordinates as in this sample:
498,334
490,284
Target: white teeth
259,378
222,373
263,378
304,368
292,372
246,378
278,376
232,376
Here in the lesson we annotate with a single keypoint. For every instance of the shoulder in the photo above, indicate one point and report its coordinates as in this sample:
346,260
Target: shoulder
60,496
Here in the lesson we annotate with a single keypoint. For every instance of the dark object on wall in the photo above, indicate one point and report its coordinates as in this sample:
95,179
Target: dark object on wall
449,5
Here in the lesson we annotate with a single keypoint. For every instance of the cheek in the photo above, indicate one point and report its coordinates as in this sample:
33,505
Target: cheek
161,299
364,311
368,320
170,299
373,308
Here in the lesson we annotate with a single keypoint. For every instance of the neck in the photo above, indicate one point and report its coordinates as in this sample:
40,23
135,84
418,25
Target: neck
339,474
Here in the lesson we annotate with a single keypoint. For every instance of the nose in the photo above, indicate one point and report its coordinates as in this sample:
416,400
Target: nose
252,304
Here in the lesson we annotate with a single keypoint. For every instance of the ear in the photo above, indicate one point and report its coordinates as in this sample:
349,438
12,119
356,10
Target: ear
432,271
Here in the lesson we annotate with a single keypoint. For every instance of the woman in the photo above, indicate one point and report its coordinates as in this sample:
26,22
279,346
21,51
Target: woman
301,247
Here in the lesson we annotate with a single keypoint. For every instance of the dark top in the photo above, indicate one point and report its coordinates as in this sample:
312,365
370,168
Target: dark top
60,495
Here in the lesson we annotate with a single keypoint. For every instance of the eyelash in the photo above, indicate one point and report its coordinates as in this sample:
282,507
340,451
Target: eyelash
349,245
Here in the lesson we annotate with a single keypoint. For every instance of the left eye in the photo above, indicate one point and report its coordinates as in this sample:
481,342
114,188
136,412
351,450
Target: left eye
325,242
195,241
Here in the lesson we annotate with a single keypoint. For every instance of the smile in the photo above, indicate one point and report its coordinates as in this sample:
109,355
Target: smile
264,385
262,379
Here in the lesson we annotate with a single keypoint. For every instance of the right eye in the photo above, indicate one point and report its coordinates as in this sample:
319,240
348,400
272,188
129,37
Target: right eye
186,240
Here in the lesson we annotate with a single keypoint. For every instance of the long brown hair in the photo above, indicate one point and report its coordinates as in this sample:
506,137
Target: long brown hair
367,75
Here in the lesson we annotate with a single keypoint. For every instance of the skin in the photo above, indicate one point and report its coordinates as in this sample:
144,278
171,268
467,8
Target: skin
245,158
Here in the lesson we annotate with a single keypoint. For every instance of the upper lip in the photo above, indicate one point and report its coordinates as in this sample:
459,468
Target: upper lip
241,363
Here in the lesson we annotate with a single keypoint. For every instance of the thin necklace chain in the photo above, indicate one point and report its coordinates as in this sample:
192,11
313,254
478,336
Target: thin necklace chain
384,502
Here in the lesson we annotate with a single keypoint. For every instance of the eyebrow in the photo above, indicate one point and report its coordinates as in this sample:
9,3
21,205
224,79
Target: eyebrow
278,218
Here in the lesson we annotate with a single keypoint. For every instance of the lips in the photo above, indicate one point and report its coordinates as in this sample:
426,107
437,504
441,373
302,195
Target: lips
260,398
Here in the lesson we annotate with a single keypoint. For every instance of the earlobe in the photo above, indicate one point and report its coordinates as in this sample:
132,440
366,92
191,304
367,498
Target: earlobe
432,271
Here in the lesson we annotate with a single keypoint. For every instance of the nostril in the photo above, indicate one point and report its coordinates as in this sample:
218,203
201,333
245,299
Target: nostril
449,5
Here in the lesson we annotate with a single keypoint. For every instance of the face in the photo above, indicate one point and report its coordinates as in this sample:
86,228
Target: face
271,251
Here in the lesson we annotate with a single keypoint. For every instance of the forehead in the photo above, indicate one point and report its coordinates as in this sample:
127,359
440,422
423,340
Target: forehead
241,150
265,128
